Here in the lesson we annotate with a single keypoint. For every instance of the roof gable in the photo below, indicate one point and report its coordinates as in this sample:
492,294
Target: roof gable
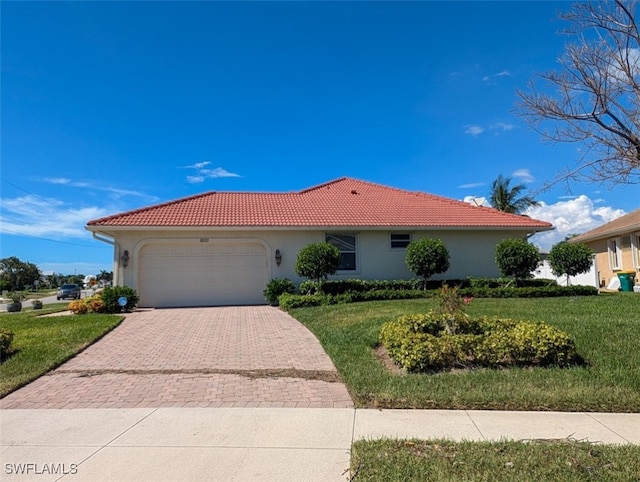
624,224
339,203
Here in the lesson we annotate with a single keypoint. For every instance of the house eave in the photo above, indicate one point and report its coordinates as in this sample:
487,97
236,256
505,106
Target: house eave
528,229
606,235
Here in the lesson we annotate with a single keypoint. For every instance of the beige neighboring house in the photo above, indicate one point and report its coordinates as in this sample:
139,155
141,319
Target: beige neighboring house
617,248
222,248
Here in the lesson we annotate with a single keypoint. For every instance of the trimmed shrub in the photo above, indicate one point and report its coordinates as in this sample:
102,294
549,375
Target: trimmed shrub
289,301
421,343
6,339
570,259
317,260
517,258
277,287
111,294
426,257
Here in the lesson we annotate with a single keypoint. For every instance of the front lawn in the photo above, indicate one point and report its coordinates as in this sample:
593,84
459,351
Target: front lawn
605,328
42,343
444,461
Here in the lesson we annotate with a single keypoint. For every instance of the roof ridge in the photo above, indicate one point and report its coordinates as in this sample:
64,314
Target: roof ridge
319,186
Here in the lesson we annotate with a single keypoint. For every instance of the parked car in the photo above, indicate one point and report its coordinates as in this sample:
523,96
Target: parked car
71,291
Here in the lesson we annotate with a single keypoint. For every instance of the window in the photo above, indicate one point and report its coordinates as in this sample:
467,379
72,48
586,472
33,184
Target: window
400,240
615,253
635,250
346,243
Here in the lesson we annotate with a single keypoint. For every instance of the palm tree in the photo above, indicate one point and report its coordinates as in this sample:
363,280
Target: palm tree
506,198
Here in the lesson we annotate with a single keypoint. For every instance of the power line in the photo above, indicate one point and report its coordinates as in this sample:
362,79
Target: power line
47,239
39,196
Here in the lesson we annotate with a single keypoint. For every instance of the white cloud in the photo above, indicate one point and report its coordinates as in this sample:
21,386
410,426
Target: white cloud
46,217
115,192
199,165
501,126
474,130
202,173
471,185
476,200
523,175
490,79
195,179
57,180
574,216
496,128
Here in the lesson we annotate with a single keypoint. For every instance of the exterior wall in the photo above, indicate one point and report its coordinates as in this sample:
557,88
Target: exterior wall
605,272
472,253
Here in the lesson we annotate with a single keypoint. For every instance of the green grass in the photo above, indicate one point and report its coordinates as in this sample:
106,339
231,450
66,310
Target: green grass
43,343
605,328
444,461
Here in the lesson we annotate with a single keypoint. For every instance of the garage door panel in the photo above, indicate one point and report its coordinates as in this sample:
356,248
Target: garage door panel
202,275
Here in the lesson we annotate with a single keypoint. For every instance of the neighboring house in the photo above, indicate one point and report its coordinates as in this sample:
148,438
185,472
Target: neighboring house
221,248
544,271
617,248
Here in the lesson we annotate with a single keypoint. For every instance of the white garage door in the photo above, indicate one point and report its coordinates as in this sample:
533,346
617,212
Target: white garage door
202,274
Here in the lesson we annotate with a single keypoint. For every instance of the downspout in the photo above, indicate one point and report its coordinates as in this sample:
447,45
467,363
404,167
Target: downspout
109,240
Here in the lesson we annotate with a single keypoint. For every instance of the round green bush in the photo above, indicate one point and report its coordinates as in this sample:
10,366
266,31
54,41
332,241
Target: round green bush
317,260
426,257
517,258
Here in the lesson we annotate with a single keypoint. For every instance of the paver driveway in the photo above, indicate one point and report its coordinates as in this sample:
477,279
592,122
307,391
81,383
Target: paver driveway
251,356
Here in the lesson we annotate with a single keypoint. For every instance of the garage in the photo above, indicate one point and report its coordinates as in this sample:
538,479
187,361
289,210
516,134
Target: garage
204,272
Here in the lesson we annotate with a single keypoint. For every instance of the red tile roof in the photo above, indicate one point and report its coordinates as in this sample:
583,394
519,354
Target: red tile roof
344,202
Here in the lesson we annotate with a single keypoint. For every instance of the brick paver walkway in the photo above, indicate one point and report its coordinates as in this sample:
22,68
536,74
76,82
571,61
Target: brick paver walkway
252,356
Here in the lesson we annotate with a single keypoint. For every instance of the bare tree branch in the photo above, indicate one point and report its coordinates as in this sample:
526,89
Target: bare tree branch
594,98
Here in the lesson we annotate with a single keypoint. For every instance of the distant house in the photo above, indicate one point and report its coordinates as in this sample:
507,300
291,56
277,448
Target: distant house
617,247
221,248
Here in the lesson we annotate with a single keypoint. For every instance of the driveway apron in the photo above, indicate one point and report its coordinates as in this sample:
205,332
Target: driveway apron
250,356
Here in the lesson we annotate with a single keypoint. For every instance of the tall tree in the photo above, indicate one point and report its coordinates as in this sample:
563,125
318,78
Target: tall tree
507,198
594,98
16,274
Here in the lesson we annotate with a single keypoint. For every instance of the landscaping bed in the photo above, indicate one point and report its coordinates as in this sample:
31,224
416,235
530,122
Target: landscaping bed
604,328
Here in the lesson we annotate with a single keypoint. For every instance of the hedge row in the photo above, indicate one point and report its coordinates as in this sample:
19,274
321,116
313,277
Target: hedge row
289,301
337,287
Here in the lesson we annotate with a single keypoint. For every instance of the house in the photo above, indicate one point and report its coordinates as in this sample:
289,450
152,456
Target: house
221,248
617,247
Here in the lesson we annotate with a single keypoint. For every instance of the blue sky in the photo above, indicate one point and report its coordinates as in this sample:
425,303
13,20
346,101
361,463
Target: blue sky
111,106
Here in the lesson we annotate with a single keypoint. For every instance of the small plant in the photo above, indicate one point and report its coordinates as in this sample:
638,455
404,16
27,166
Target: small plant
16,296
6,339
277,287
451,306
36,304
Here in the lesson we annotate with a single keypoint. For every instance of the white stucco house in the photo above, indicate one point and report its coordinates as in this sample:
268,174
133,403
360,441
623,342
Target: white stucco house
222,248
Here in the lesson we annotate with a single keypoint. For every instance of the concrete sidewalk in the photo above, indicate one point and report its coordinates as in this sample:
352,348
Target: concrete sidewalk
254,444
